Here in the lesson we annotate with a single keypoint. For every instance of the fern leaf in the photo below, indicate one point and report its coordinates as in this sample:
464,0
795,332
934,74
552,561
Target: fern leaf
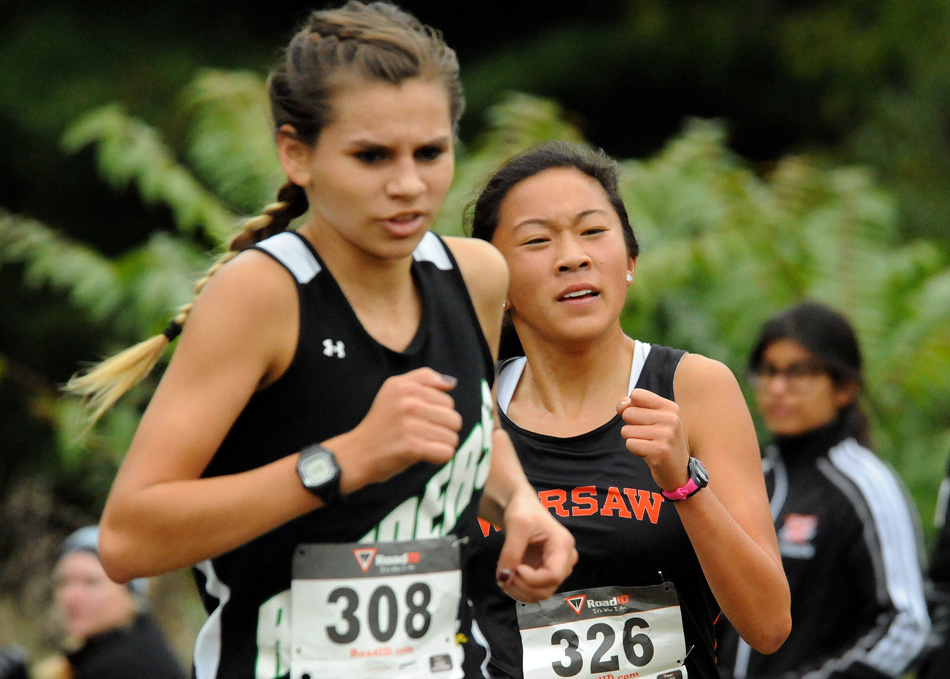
89,279
516,123
232,143
129,151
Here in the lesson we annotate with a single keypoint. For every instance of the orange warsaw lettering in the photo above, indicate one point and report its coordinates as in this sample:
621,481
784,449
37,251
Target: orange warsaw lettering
582,496
554,499
645,502
639,504
614,502
487,527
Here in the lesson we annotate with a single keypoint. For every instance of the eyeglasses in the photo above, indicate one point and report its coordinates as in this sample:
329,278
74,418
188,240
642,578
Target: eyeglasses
798,376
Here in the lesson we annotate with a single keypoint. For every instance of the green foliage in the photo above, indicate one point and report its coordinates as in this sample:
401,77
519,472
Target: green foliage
128,151
858,82
231,147
131,293
722,249
515,123
50,259
133,296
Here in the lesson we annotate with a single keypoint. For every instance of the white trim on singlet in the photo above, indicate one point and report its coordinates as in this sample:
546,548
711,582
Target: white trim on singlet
509,374
431,250
640,352
288,249
480,639
207,654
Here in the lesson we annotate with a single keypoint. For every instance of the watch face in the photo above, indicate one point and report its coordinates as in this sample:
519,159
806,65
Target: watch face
317,469
699,471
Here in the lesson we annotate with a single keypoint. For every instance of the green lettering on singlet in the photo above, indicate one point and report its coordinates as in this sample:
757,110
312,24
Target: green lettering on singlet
448,492
446,496
273,638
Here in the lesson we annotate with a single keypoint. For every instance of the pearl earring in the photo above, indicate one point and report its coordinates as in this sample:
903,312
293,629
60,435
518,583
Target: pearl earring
629,277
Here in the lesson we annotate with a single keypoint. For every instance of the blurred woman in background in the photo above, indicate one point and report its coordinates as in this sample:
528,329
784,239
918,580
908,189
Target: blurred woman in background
848,533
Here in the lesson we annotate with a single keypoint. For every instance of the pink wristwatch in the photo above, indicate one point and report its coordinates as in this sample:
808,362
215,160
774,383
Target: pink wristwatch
698,479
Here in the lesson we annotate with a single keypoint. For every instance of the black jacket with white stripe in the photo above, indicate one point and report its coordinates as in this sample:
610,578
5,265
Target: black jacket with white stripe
851,546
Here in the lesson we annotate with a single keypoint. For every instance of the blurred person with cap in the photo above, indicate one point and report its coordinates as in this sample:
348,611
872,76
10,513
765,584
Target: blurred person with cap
13,662
110,634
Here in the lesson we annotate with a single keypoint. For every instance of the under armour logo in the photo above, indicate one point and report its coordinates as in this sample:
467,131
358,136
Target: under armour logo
331,348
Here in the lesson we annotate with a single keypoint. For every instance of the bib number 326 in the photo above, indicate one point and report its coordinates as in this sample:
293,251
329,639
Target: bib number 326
382,609
606,632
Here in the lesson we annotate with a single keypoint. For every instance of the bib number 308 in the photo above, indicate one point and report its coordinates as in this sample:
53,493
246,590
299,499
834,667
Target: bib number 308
383,613
376,610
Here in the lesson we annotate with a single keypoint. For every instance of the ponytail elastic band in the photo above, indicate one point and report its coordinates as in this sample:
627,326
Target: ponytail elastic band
172,330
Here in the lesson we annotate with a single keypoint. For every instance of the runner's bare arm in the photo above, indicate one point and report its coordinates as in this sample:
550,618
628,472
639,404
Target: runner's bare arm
728,523
160,515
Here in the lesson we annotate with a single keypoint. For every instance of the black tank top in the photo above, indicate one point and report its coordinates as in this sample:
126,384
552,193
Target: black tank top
328,389
626,534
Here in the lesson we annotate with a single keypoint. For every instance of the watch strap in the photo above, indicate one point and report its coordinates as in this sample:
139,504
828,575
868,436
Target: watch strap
697,481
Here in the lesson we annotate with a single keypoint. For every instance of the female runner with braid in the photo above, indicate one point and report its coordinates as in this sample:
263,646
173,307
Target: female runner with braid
342,368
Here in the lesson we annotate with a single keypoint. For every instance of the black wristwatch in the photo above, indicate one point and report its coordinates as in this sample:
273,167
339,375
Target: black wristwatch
320,473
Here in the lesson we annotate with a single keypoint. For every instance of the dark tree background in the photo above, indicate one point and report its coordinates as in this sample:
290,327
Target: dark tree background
858,81
864,82
850,81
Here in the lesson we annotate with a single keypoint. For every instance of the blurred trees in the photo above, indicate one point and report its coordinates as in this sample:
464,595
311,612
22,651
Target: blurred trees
852,81
847,81
774,150
723,248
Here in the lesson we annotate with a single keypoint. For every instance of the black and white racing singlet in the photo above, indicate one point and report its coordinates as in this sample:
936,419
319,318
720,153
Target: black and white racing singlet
366,606
636,564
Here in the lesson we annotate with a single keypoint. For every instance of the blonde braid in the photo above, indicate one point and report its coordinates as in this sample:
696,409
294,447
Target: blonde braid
101,385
